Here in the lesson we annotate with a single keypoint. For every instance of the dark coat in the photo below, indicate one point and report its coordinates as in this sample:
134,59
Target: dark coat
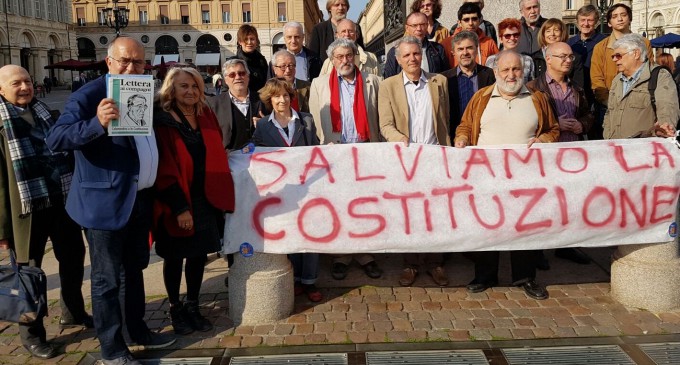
257,65
314,64
528,41
485,77
576,75
267,135
323,35
436,58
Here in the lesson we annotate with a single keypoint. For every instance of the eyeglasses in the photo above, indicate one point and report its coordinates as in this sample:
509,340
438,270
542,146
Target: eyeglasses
470,19
340,57
511,35
232,75
286,67
125,62
426,5
417,25
618,56
347,31
564,57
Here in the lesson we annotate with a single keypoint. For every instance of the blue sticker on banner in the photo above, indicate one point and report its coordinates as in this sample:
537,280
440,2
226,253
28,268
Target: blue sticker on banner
246,249
249,148
673,230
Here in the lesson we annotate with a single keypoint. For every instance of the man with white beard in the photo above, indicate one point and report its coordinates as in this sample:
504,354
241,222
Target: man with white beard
344,104
507,113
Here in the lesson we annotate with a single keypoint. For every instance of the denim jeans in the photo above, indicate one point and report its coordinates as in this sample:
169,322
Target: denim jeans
305,267
116,255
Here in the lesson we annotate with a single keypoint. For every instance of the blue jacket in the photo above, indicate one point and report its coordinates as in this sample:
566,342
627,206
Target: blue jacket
104,185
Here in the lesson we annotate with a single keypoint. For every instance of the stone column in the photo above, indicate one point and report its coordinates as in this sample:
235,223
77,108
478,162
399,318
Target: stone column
647,276
260,288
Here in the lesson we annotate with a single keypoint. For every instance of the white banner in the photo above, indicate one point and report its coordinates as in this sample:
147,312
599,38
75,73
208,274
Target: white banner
385,197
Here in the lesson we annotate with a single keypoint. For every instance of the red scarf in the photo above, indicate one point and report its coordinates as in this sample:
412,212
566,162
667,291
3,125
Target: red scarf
360,118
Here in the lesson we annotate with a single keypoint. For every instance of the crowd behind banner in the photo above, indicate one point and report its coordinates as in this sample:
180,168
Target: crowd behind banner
519,82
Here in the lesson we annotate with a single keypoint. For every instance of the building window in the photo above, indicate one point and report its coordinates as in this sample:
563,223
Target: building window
571,29
205,13
22,8
145,39
163,14
38,9
247,14
281,11
570,4
80,17
101,16
143,16
226,13
103,40
184,12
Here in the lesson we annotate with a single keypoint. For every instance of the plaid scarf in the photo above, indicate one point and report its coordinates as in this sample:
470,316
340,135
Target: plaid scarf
43,177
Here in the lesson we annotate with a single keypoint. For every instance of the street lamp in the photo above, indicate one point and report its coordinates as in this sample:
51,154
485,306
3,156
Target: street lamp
603,6
116,17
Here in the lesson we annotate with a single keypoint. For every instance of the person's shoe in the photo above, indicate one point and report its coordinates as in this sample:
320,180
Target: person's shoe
42,350
543,263
408,276
69,322
439,276
153,340
313,293
534,290
372,270
573,255
479,286
123,360
339,270
178,316
194,317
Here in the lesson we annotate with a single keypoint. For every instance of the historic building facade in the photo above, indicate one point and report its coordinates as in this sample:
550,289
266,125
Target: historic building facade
656,18
202,32
36,33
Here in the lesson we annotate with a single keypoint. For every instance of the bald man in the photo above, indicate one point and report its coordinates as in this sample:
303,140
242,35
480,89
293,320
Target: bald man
34,182
112,198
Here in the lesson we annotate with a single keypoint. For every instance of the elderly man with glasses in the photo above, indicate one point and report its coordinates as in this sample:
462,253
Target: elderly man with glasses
284,65
366,61
630,111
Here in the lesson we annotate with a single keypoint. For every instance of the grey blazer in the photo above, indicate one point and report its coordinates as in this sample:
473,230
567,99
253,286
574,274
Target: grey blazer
221,105
267,135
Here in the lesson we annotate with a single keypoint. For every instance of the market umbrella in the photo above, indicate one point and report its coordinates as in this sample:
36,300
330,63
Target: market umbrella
670,40
69,65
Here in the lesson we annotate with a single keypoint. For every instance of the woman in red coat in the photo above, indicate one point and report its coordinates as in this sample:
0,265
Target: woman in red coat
194,190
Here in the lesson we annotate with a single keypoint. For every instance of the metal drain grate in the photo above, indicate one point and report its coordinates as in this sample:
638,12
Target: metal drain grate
178,361
663,353
294,359
461,357
572,355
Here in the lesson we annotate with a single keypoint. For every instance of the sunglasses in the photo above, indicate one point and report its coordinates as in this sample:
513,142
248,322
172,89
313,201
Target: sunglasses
232,75
618,56
511,35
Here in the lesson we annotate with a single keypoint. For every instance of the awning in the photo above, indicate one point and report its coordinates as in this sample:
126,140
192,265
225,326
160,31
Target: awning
166,58
207,59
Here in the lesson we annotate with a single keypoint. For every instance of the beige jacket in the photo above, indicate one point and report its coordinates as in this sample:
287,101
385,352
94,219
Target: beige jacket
320,101
393,108
631,114
366,61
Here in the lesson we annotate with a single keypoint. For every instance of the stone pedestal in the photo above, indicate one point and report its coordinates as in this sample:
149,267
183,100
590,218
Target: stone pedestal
260,289
647,276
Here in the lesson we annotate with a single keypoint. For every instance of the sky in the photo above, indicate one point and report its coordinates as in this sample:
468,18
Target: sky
356,7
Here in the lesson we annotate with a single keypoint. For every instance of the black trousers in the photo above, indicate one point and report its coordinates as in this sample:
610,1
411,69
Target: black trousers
69,249
523,265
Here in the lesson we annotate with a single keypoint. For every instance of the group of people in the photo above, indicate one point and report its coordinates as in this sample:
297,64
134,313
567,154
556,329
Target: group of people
176,183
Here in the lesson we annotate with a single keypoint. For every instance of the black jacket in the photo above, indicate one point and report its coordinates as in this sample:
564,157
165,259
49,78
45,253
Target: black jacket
436,58
485,77
322,37
257,65
528,40
314,64
576,75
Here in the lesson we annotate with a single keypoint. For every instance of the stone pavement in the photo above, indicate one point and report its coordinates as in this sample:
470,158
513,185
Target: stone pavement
359,310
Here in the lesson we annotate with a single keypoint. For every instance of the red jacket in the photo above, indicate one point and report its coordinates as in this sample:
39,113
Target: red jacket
175,166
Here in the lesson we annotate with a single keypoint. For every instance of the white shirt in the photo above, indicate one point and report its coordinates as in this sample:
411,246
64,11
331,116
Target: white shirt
420,117
288,137
243,106
148,160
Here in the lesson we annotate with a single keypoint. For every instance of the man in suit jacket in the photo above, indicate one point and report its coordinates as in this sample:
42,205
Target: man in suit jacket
237,129
284,64
366,61
323,34
333,100
466,78
111,197
414,108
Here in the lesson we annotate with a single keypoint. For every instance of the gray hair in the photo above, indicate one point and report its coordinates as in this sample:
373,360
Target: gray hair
632,42
233,62
507,52
521,3
407,40
341,43
356,26
109,49
295,25
282,53
465,35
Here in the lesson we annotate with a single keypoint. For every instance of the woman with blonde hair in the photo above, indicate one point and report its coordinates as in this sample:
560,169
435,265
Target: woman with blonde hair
190,203
552,31
285,127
